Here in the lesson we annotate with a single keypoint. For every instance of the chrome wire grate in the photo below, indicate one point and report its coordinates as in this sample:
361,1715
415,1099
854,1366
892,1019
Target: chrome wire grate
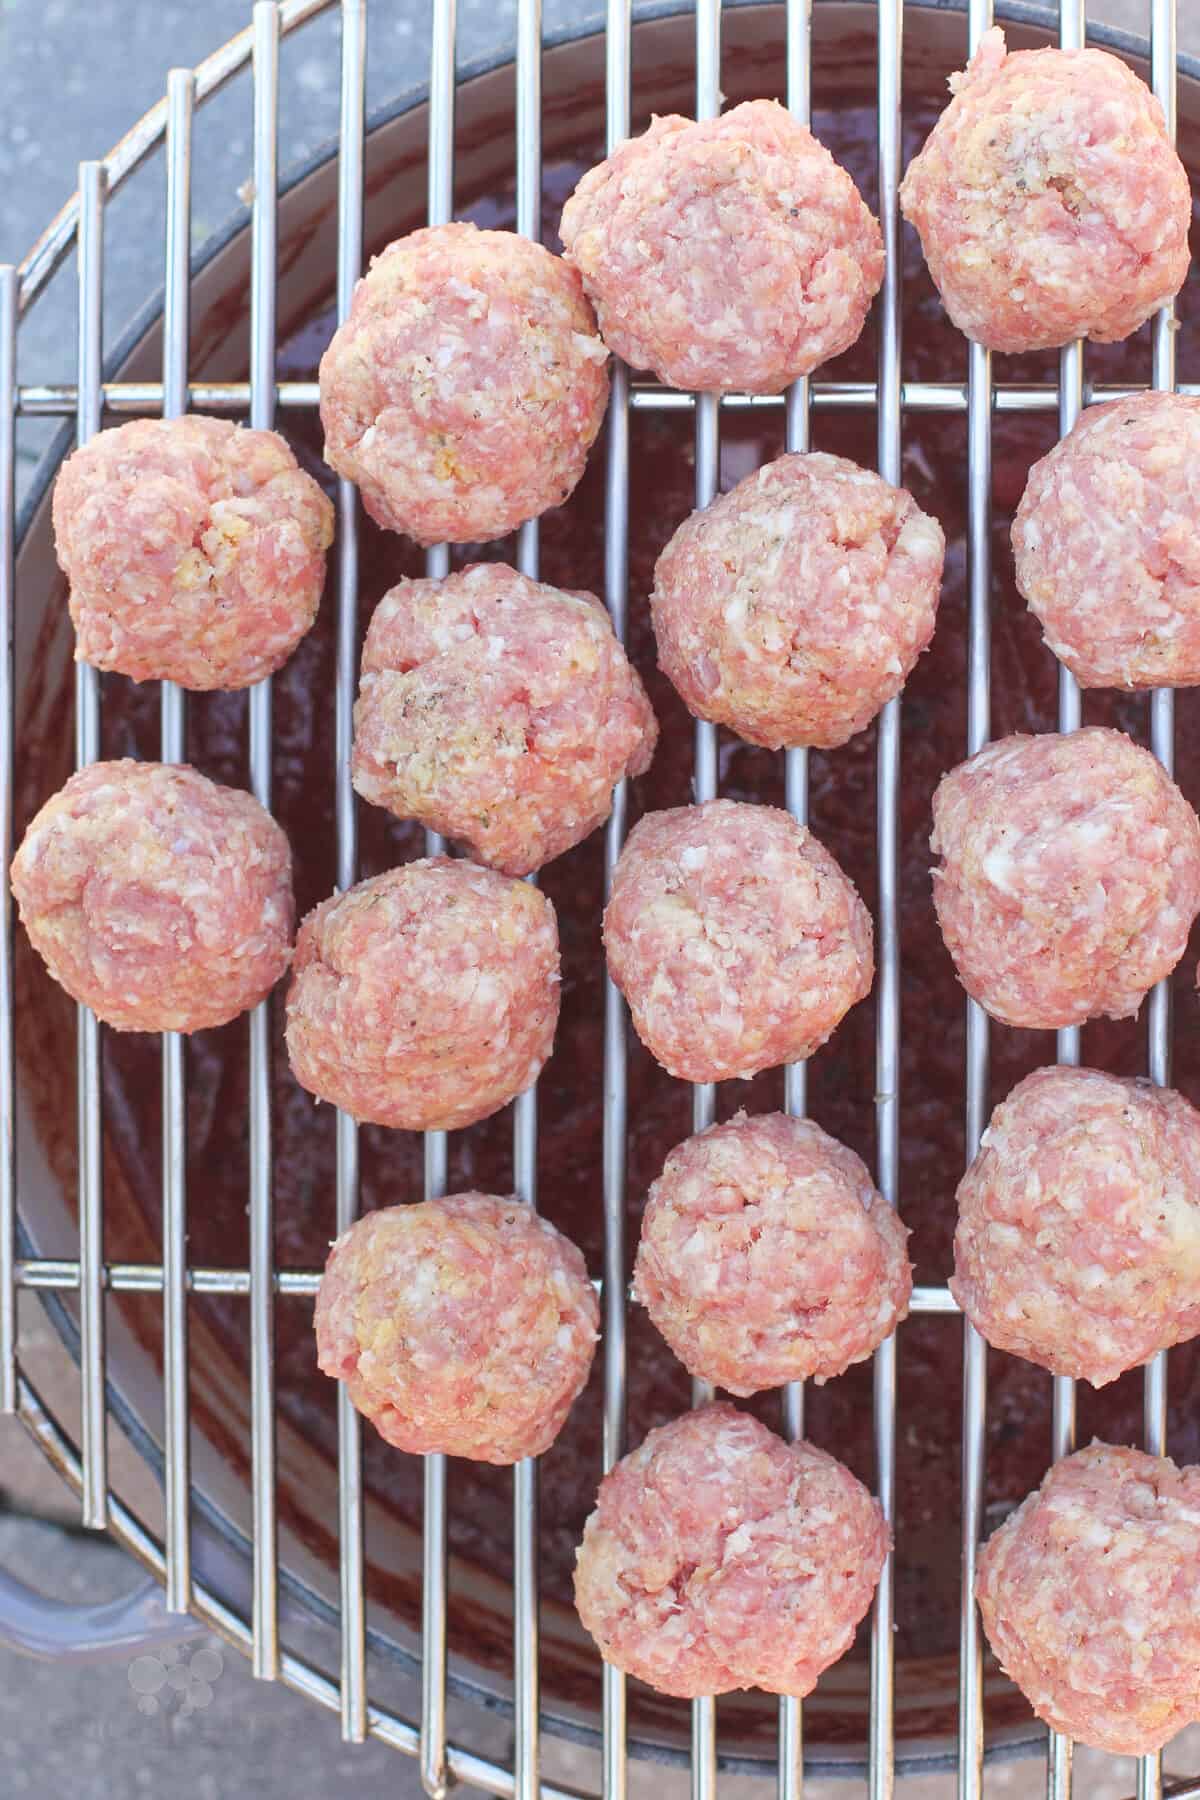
82,227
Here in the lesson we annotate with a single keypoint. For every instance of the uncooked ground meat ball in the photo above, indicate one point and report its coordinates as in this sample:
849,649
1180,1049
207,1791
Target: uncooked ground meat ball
1050,202
730,253
767,1256
1070,876
719,1557
735,937
498,711
466,388
156,897
793,608
465,1325
194,549
425,998
1106,548
1078,1241
1090,1595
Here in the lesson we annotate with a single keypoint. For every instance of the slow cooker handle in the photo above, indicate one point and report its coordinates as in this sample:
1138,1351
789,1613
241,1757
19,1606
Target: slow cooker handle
88,1631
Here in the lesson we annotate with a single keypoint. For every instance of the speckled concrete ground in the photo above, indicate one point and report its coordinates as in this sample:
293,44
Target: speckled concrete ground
73,76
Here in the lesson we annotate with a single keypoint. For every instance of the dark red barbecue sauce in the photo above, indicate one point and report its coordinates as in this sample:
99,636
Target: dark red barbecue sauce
841,1077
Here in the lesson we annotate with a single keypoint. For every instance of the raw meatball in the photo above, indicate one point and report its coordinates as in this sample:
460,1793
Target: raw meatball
467,386
735,937
1078,1241
425,998
465,1325
498,711
732,253
1070,876
767,1256
194,549
1106,548
720,1557
156,897
1090,1595
1050,202
793,608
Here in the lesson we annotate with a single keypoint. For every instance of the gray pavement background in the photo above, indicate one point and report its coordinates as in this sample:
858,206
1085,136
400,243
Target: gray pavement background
74,74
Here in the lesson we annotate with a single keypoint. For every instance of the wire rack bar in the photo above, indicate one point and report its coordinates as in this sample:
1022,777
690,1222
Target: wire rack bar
1060,1749
704,784
974,1400
263,266
434,1776
708,457
58,400
915,396
1162,742
799,81
526,1753
177,1448
52,1275
798,63
432,1744
614,1765
8,577
87,750
881,1741
1072,32
353,1678
62,1275
433,1628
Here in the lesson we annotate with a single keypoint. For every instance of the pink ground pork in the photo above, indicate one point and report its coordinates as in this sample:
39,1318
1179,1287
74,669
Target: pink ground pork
736,939
1090,1595
1049,200
194,550
719,1557
426,998
1069,876
730,253
156,897
498,711
463,393
1078,1240
767,1256
1106,548
465,1325
794,607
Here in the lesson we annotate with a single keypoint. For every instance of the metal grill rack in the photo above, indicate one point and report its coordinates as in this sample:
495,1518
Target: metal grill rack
81,226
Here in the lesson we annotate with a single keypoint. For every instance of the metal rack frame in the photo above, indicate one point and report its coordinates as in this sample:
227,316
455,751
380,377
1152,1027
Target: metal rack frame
81,225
